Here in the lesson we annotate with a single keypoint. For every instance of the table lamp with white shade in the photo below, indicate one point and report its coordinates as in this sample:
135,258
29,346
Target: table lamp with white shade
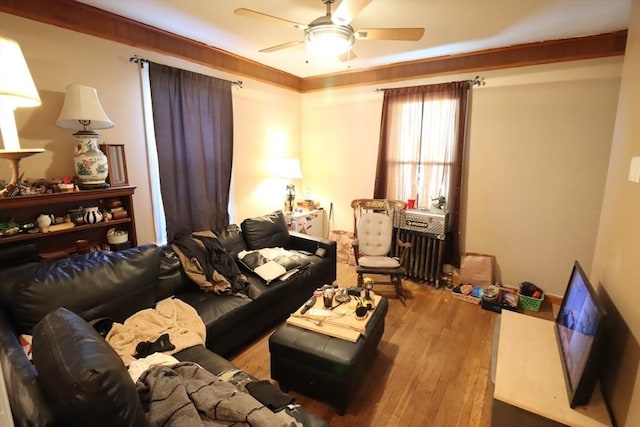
17,90
82,111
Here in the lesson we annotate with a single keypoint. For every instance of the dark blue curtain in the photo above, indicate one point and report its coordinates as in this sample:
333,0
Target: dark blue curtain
193,120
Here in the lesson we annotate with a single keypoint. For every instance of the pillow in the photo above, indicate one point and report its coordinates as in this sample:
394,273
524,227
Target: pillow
267,231
81,375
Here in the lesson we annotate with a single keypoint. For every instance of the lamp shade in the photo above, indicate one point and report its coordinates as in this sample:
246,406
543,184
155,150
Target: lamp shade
16,90
82,109
16,85
287,168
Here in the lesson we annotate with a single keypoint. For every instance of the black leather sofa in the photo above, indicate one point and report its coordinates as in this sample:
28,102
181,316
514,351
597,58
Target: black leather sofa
116,285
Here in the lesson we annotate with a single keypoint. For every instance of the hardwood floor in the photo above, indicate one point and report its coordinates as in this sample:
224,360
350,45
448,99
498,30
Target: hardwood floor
432,366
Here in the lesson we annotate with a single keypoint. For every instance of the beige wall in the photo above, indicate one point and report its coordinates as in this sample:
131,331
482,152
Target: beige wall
616,265
538,156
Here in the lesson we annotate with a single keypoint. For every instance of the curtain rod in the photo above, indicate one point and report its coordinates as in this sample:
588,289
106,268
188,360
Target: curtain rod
476,81
135,59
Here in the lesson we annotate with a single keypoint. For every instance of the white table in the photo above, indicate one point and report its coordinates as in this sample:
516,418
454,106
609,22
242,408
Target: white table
530,387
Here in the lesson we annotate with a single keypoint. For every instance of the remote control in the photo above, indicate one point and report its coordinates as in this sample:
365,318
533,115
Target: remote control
309,304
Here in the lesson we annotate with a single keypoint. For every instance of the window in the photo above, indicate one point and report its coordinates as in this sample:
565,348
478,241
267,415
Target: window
421,146
420,164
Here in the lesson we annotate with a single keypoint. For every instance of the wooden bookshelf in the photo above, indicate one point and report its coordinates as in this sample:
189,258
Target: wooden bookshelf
23,209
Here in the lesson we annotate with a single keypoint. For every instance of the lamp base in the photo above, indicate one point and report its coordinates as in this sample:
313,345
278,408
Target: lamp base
90,162
14,157
289,199
87,186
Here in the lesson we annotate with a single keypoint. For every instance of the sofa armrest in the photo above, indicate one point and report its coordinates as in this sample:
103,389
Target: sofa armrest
28,403
17,255
309,243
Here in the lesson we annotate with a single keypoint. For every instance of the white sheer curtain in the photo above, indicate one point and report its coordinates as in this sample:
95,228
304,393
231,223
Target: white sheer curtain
422,148
422,137
160,224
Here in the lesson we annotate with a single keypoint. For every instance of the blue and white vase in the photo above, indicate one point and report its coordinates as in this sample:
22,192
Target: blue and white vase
92,215
91,163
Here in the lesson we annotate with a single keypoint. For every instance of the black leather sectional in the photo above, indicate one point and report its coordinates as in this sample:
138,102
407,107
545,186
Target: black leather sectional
116,285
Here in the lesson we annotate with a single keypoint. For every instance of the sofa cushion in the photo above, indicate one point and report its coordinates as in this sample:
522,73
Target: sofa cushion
267,231
81,375
172,278
99,284
231,239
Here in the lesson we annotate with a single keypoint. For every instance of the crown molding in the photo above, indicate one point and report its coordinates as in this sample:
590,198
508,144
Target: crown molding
96,22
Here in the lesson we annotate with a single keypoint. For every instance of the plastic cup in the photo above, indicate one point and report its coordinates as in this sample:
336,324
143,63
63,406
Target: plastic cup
327,298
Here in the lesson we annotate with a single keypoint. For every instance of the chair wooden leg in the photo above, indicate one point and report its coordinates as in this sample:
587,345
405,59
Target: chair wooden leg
397,282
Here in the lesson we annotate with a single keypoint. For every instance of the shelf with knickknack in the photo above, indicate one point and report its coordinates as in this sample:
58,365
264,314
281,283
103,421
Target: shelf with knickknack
61,233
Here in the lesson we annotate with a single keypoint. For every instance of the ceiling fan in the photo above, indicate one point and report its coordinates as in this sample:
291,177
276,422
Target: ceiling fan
332,34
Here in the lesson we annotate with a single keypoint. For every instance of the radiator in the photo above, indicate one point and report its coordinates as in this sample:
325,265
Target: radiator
424,259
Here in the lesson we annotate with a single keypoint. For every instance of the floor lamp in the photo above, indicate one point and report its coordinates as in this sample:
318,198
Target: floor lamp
17,90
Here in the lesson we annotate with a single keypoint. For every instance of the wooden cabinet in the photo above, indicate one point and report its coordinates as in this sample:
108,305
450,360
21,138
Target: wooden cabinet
23,209
307,222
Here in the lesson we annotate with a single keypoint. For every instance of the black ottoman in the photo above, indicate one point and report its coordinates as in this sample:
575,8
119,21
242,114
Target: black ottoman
324,367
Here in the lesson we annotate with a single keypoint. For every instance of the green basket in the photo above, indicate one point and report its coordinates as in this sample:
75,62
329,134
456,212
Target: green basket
530,303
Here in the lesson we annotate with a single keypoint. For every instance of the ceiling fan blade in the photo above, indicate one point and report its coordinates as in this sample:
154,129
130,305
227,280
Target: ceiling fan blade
409,34
347,56
268,18
348,10
282,46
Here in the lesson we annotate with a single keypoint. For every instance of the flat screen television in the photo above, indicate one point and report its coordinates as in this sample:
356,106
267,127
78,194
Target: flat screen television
580,329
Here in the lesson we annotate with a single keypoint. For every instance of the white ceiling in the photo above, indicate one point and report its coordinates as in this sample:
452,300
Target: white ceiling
452,26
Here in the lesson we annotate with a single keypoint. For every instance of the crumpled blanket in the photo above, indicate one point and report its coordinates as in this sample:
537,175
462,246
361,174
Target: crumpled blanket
186,394
170,316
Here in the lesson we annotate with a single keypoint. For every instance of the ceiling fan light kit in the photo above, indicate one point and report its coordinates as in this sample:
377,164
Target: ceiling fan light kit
332,35
329,39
